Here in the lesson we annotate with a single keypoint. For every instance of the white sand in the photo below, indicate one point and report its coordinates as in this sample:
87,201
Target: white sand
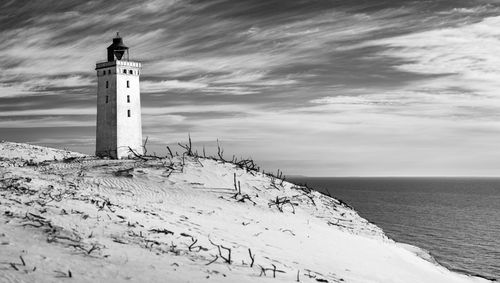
156,226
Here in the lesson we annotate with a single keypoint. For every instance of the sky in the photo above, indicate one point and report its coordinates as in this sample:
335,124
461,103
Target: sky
316,88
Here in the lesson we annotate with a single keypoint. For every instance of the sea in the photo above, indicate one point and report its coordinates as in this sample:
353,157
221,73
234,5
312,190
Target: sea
457,220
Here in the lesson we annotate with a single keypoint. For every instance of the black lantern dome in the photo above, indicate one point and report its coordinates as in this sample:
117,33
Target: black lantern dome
117,49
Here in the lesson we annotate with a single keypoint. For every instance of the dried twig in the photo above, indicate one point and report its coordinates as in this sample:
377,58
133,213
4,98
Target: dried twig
220,152
187,147
170,151
212,261
274,270
13,265
279,202
144,146
64,274
262,270
161,231
22,260
227,258
140,156
252,257
192,245
235,182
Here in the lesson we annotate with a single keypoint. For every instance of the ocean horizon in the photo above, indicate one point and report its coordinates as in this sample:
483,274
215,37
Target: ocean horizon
455,219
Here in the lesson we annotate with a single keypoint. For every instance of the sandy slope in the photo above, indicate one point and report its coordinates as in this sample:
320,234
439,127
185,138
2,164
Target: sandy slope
162,221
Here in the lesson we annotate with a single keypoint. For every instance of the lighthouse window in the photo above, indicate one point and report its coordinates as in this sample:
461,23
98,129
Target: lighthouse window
130,72
124,71
128,84
128,113
107,84
128,98
109,72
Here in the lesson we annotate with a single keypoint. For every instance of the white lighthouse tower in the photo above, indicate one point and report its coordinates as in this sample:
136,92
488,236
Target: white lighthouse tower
119,126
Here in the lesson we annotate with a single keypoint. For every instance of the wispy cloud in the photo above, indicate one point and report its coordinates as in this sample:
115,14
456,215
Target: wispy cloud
159,86
314,85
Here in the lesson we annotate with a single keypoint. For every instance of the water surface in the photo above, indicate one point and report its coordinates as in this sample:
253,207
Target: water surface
456,219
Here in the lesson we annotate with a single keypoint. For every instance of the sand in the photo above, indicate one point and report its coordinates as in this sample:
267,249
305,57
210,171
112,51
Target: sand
67,216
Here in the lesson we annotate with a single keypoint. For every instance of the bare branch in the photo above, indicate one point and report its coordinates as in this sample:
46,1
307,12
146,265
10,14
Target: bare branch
187,147
170,151
220,152
216,258
252,257
22,260
219,247
144,146
136,154
162,231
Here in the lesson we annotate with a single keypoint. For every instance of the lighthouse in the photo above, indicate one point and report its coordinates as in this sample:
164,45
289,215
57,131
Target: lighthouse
119,129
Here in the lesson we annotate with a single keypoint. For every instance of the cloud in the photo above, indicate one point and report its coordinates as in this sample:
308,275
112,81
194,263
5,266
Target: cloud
466,53
343,85
51,111
53,121
151,86
462,78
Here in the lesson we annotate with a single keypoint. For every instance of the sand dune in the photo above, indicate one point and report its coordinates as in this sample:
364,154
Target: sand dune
178,219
